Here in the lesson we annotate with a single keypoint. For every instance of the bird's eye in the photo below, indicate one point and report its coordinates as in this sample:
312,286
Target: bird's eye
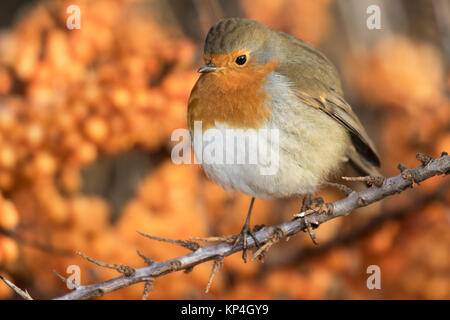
241,60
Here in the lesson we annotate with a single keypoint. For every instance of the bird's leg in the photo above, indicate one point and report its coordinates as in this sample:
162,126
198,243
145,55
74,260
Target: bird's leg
242,237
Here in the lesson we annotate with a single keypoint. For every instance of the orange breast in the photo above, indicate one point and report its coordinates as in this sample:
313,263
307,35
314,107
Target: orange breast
235,97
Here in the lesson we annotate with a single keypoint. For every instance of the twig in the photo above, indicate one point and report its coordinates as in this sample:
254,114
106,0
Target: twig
127,271
146,259
277,235
227,239
148,286
370,180
335,209
70,284
191,245
218,262
423,158
24,294
343,188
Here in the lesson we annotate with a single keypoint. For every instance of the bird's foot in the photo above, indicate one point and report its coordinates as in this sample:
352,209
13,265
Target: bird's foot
309,203
241,239
310,206
309,223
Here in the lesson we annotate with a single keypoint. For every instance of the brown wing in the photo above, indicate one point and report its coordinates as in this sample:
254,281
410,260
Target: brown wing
336,107
316,81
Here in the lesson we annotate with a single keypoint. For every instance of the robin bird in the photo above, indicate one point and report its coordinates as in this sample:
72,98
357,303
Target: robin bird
258,79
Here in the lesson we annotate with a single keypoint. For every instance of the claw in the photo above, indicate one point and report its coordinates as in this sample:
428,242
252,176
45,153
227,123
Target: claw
242,239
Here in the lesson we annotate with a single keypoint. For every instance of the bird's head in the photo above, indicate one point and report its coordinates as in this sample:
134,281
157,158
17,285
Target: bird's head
238,46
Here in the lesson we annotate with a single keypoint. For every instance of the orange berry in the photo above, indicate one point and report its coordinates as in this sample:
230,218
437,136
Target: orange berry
71,179
7,157
443,144
85,153
56,209
9,217
89,213
5,81
6,180
45,163
9,249
34,134
121,97
26,61
96,129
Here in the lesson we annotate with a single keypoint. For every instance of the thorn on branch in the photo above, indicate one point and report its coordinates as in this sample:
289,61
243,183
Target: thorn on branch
342,188
423,158
148,286
401,167
274,238
218,262
127,271
188,270
191,245
146,259
370,180
24,294
442,155
228,239
70,284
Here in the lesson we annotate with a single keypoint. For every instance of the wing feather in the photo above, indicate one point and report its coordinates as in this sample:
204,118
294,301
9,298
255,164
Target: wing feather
316,81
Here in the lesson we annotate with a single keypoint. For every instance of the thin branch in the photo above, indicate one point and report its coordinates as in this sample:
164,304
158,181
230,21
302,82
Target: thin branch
370,180
146,259
218,262
414,207
24,294
126,270
148,286
191,245
276,236
70,284
317,216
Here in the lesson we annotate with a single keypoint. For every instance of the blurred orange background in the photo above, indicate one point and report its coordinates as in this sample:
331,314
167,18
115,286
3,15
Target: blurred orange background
86,118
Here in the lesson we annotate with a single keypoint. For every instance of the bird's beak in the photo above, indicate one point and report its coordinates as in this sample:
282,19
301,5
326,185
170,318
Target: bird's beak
210,67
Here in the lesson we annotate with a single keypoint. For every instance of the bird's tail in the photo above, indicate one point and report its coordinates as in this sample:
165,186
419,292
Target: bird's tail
362,166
